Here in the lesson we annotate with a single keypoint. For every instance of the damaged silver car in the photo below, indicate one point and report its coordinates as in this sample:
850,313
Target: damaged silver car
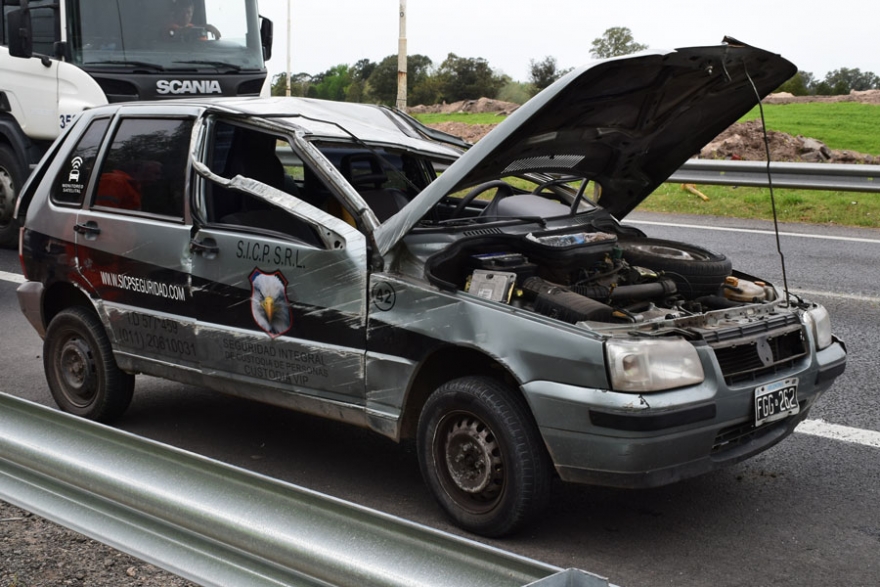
345,261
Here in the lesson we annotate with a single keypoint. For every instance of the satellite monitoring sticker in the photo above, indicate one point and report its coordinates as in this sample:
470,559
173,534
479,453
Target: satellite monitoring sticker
269,303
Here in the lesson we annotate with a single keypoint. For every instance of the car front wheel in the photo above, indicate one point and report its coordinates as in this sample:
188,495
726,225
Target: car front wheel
82,374
482,456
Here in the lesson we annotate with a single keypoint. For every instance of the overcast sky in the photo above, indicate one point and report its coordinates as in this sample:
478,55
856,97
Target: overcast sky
817,36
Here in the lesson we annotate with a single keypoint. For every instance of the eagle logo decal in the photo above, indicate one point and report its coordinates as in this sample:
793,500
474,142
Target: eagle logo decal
269,303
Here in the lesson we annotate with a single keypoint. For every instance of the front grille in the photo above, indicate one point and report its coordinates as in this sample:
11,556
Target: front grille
752,351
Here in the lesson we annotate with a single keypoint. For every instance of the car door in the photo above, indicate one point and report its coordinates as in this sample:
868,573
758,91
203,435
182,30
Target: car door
279,284
132,240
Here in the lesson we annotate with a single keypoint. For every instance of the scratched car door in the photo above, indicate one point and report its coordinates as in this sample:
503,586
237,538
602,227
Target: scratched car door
281,303
132,237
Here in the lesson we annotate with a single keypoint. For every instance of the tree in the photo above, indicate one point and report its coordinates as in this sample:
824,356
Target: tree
382,82
800,84
333,83
299,84
614,42
843,81
467,78
543,73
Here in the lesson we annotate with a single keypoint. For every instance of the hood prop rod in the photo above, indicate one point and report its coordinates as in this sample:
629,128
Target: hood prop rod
770,185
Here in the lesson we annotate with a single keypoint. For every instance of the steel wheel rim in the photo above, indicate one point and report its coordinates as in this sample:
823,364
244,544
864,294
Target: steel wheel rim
469,457
77,372
672,253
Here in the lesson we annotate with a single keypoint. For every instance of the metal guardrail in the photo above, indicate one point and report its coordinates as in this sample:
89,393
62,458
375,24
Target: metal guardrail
802,176
215,524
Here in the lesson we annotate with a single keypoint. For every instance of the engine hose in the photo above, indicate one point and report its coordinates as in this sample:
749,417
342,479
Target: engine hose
644,291
563,304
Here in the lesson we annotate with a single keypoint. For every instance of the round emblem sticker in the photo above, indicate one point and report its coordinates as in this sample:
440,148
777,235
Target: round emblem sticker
384,296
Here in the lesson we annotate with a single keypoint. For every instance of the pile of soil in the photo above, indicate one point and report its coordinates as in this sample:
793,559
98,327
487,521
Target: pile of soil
866,97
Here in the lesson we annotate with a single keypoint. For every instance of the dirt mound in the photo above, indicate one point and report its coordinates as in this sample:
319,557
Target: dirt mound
480,106
866,97
745,141
469,132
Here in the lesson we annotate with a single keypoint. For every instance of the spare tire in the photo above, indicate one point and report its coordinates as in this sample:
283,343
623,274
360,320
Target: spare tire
695,270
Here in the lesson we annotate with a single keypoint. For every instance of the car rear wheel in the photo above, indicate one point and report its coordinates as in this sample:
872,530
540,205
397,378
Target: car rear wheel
83,375
482,456
11,179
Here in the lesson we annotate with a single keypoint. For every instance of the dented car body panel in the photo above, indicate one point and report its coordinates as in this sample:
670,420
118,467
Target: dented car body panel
322,257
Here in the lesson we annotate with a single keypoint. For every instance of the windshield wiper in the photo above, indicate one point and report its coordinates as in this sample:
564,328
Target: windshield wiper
130,62
479,220
217,64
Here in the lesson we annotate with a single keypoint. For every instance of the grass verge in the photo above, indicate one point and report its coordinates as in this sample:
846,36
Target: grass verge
805,206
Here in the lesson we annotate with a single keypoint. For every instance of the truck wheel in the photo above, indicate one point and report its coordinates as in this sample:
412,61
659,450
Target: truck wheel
482,456
83,375
11,179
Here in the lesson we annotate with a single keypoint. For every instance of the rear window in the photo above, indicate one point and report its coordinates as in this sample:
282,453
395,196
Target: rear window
70,184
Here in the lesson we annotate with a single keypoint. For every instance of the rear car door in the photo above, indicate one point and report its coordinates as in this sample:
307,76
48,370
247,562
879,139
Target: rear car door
132,238
281,300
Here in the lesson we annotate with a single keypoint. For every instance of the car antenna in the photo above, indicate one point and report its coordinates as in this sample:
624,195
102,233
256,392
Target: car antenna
770,185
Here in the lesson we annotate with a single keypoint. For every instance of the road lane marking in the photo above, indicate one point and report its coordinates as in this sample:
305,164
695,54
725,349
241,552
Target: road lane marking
854,297
837,432
851,239
13,277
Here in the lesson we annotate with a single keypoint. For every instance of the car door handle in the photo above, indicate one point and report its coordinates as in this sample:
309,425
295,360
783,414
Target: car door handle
89,227
208,247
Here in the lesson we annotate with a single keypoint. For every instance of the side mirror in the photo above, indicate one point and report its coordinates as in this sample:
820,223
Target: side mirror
266,27
20,33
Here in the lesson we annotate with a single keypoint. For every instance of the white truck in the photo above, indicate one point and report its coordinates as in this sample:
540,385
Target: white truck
60,57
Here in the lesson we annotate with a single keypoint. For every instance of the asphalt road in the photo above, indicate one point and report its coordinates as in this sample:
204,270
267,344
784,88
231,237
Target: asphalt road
806,513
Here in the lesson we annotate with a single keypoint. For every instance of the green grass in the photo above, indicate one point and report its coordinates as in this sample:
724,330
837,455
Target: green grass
843,125
466,117
805,206
840,125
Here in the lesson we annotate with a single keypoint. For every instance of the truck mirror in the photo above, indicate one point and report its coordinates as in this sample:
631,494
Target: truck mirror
20,33
266,37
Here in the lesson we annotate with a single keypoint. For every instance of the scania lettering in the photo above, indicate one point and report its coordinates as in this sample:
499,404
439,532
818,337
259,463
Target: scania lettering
188,86
60,57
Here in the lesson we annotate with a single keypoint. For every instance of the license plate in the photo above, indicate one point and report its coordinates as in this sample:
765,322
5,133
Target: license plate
775,401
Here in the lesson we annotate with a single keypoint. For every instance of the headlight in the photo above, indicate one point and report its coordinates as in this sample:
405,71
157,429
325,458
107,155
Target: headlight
819,321
652,365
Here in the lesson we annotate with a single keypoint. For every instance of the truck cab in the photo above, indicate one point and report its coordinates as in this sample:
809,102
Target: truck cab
58,58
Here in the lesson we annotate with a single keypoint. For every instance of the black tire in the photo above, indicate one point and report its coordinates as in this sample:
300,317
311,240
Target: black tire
12,177
695,270
482,456
83,375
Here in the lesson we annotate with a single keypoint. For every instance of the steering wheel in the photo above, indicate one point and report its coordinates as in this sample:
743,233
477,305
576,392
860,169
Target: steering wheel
556,180
503,187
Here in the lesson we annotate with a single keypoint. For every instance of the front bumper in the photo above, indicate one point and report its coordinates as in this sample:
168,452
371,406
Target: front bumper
603,437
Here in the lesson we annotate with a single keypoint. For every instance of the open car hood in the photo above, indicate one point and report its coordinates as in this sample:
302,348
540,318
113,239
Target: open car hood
627,123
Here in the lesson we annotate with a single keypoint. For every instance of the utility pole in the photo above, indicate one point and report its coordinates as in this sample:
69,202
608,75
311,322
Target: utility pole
401,59
289,48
